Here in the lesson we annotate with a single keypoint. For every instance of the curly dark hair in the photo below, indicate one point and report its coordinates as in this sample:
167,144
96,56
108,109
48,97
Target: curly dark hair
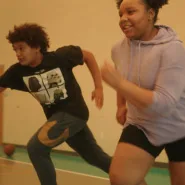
154,4
31,33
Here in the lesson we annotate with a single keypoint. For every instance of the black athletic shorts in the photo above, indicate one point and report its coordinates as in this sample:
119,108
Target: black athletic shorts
175,150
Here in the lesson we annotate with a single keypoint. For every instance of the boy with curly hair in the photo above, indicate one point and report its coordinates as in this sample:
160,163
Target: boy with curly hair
48,76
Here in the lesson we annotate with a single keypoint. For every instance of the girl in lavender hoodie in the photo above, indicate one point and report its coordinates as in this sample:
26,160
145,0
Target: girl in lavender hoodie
150,82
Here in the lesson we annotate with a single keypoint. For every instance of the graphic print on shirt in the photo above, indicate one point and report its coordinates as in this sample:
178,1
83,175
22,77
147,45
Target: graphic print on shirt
48,87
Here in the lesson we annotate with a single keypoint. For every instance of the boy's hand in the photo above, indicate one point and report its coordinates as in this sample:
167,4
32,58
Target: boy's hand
97,95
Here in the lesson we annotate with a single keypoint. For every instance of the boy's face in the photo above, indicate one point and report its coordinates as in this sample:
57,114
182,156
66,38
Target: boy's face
26,55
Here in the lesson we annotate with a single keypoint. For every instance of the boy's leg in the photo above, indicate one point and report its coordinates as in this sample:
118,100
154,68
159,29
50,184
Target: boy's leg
39,155
85,144
54,132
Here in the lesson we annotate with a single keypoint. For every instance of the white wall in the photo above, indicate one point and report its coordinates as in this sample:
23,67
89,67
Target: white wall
94,26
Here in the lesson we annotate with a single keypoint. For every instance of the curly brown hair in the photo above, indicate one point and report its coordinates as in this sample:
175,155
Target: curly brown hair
154,4
31,33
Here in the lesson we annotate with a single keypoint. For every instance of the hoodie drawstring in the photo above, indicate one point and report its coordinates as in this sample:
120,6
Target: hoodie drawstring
130,66
139,65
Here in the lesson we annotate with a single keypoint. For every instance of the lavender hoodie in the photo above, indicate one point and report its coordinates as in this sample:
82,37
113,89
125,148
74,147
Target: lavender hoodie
157,65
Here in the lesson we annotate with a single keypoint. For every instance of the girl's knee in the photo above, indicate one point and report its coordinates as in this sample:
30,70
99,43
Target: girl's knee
118,178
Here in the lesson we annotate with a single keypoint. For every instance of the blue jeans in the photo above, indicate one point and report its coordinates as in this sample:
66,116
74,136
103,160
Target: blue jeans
63,127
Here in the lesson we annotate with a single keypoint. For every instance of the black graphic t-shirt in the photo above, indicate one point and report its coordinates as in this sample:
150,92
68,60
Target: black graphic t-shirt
52,83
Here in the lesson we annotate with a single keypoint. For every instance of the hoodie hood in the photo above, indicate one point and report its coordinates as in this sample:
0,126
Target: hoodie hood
164,35
128,54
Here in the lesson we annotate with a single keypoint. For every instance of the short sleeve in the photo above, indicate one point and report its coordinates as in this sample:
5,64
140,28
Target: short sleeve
70,56
10,79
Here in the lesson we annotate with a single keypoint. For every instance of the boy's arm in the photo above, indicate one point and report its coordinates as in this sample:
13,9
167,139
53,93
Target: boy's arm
92,65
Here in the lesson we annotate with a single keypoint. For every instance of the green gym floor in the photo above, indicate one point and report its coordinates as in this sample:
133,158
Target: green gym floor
72,166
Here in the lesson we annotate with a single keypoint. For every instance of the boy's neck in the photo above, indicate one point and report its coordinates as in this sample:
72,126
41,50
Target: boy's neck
37,61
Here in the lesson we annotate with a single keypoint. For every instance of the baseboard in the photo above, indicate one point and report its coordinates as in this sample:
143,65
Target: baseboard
55,150
72,153
160,165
